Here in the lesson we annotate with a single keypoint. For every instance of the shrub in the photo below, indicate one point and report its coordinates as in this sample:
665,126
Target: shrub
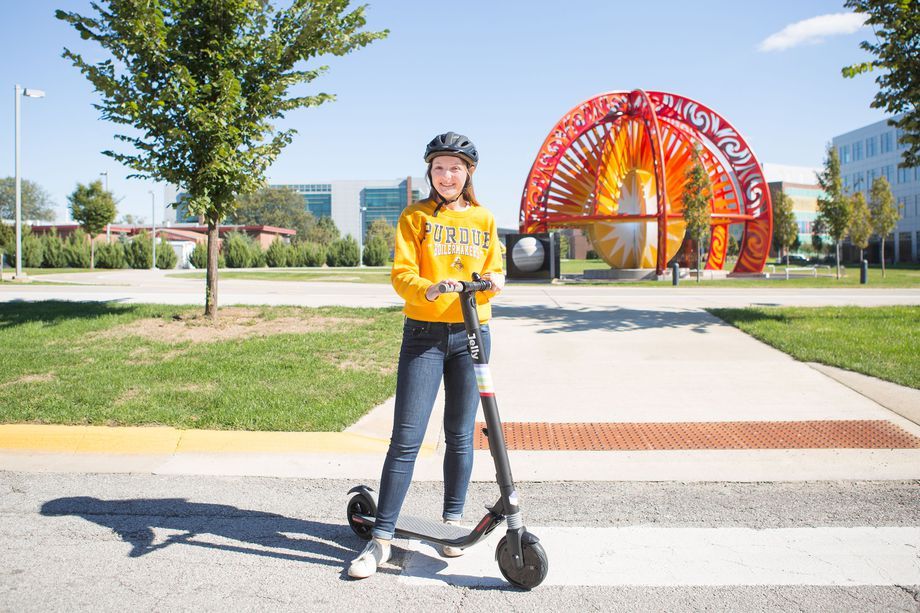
199,257
111,255
53,255
139,253
376,251
308,254
278,254
343,252
166,255
77,250
257,256
32,251
238,250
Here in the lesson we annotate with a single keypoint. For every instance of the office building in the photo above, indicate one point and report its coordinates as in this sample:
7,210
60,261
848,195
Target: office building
352,205
873,151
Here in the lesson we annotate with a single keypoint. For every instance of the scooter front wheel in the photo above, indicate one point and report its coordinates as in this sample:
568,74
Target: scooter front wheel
536,564
361,504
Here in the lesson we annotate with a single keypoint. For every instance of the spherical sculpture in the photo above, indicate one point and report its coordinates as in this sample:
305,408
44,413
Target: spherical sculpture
527,254
616,167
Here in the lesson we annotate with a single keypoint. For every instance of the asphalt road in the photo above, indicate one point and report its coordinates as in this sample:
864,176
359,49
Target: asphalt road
152,542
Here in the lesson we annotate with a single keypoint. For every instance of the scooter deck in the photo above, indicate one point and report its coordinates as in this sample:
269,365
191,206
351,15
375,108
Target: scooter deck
421,527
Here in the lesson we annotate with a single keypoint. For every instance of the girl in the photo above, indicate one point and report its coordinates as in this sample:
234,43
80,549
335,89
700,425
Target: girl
447,237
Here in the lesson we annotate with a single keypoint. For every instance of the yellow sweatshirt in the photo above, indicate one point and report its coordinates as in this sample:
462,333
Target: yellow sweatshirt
453,245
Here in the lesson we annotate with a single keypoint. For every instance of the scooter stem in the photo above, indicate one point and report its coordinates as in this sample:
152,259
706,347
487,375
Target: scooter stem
489,405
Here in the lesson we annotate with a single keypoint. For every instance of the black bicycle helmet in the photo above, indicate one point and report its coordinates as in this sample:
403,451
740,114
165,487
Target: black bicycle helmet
451,143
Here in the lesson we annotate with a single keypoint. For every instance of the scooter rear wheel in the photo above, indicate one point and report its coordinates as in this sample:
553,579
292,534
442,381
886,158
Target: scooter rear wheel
361,504
536,564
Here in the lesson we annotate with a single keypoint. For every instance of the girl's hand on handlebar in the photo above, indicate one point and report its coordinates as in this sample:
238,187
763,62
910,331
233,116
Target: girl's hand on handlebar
434,291
498,281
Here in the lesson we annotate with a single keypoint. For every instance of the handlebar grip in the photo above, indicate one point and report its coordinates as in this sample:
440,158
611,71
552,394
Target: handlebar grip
465,286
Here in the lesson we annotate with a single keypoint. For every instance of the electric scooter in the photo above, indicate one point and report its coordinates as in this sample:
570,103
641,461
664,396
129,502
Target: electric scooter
521,558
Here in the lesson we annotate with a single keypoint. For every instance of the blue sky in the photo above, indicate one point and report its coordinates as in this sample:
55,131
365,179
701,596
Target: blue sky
501,72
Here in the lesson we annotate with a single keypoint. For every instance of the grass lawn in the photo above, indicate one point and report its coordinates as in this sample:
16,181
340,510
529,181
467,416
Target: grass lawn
880,341
257,368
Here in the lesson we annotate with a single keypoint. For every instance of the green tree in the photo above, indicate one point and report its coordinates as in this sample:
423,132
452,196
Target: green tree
309,254
697,195
817,235
734,248
53,255
884,212
861,223
278,254
896,29
93,208
833,205
274,206
324,232
166,255
77,249
785,227
199,83
343,252
139,252
382,228
35,202
238,250
111,255
376,251
32,251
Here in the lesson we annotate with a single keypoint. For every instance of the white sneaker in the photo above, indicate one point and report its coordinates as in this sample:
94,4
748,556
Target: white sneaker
446,550
376,553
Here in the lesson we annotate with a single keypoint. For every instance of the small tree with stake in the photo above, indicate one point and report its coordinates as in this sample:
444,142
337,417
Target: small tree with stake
883,212
833,206
93,208
697,195
200,80
785,228
860,223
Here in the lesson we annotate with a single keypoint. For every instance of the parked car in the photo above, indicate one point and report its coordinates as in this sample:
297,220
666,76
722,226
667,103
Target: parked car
794,259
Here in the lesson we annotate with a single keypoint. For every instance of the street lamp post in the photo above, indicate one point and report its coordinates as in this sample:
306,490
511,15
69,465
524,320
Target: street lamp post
361,210
31,93
108,226
153,226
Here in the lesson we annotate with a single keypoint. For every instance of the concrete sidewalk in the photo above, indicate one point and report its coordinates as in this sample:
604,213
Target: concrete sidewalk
572,362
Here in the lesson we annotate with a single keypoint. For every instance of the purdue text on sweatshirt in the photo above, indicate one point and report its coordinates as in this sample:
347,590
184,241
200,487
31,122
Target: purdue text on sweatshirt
453,245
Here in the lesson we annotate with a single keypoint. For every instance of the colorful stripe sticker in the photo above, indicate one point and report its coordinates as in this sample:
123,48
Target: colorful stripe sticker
484,379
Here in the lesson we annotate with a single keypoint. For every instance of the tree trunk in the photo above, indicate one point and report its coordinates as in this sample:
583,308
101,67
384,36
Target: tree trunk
837,257
882,243
92,252
210,301
698,253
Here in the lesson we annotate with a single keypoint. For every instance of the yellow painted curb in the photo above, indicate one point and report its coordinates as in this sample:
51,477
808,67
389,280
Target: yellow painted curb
167,441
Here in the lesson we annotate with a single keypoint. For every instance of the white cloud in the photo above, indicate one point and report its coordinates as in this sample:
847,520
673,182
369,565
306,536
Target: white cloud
813,30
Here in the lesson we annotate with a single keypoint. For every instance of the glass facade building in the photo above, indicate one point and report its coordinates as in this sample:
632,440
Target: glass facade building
880,143
354,205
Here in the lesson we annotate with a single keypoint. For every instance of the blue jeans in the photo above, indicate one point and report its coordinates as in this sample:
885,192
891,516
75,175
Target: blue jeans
429,351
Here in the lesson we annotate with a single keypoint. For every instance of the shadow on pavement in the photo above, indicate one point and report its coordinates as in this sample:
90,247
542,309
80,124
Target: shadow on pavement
554,320
136,522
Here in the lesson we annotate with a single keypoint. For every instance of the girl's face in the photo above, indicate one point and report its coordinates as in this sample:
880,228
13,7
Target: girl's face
448,174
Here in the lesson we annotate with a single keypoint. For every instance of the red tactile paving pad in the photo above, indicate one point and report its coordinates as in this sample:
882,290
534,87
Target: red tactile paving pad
849,434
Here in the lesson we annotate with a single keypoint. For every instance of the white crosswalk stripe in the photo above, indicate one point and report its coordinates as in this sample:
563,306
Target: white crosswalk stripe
654,556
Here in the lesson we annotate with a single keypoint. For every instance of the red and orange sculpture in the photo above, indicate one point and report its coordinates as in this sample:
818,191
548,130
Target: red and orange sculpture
616,166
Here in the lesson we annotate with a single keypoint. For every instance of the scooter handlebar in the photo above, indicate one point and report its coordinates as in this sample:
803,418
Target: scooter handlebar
465,286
